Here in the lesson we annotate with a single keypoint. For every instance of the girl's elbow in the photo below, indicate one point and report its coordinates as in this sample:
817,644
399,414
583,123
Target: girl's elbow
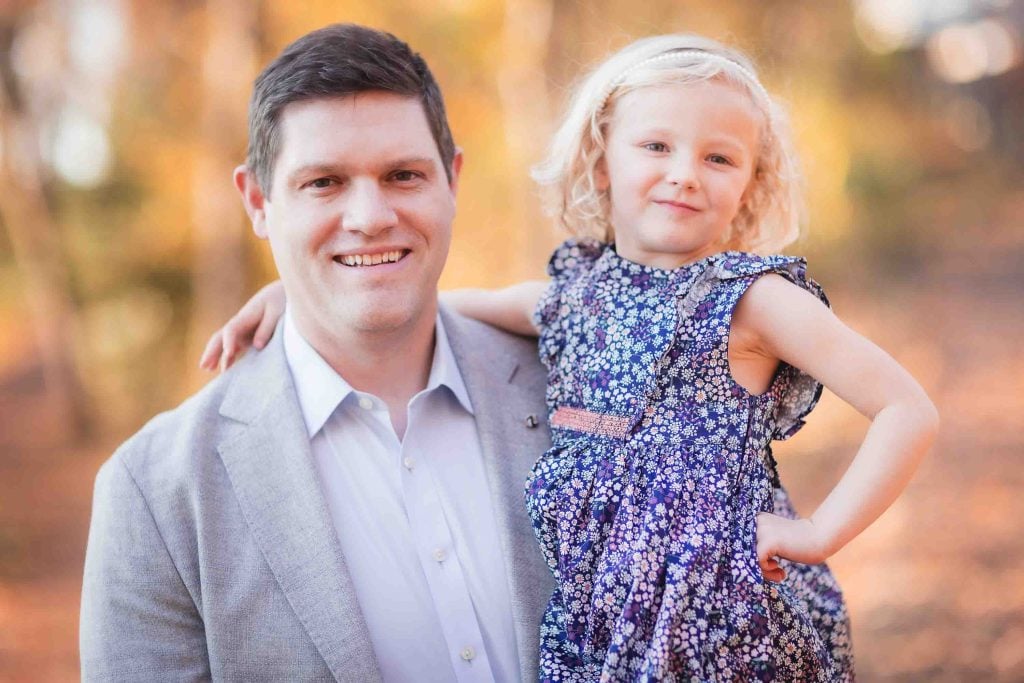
919,410
931,418
925,416
917,416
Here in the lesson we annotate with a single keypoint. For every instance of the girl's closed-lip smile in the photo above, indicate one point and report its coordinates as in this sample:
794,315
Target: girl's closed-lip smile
681,206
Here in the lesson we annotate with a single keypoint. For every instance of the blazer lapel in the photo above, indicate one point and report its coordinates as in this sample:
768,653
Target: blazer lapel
506,391
270,465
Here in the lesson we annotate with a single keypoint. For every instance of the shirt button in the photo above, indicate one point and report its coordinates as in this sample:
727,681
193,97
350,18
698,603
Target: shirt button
408,463
467,653
440,555
366,403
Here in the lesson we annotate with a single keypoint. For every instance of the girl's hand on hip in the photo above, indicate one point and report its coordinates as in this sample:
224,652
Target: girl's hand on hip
797,540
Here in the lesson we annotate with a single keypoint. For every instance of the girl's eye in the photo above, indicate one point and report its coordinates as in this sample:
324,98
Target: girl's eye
656,147
720,159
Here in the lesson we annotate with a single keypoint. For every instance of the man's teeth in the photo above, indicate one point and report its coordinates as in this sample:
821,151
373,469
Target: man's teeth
371,259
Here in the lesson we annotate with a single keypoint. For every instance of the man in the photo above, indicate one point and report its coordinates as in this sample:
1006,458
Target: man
347,503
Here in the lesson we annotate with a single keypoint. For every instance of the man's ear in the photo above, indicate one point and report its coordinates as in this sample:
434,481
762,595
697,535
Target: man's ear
456,169
252,198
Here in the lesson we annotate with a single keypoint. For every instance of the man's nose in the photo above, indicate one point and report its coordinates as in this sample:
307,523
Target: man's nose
367,209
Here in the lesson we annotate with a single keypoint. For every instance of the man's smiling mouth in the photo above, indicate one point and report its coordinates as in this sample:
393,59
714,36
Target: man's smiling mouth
374,259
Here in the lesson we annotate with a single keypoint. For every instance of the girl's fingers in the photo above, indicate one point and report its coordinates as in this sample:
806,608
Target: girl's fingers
211,354
253,325
240,332
271,314
230,348
771,570
765,553
264,332
770,547
244,323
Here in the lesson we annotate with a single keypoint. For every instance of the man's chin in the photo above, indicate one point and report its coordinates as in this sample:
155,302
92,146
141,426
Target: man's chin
382,320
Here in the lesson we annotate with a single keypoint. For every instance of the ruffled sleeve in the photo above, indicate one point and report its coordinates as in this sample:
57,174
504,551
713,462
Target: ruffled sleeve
571,260
798,392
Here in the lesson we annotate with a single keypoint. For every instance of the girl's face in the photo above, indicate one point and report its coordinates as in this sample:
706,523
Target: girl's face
678,161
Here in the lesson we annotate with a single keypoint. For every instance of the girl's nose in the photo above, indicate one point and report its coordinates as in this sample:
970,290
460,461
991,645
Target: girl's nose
367,209
683,173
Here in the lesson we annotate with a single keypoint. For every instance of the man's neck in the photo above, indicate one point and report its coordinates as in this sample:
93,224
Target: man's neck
393,365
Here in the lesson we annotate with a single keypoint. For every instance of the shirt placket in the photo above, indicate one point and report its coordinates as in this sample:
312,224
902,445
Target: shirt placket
437,554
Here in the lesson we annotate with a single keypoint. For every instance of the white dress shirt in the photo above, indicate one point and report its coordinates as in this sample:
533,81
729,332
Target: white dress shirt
414,519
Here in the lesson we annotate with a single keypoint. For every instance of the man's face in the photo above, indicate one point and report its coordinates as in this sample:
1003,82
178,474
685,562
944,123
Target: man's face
359,214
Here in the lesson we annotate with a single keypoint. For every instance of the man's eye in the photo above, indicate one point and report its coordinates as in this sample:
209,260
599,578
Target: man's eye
321,183
656,147
405,176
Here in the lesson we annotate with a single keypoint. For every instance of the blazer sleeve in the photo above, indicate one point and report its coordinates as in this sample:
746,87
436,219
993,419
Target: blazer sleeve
138,619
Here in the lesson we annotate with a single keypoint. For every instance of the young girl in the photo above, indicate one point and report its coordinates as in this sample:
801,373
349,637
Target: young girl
676,354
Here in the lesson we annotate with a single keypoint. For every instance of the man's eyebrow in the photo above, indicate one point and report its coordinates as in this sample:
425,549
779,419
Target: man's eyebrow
312,170
411,161
332,169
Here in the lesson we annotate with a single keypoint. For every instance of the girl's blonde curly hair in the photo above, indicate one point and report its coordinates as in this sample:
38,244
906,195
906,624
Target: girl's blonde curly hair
770,213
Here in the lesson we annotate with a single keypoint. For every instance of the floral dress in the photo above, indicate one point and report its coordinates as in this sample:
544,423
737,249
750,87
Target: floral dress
646,504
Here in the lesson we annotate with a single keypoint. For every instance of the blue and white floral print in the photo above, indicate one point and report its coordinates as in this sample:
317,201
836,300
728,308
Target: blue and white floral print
646,504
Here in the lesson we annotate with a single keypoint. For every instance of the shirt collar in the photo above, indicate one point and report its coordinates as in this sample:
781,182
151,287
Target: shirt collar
321,390
444,370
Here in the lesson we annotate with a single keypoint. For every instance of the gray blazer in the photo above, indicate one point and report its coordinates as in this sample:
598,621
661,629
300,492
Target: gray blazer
211,551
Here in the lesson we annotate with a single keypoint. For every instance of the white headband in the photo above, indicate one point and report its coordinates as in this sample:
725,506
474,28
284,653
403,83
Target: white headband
676,55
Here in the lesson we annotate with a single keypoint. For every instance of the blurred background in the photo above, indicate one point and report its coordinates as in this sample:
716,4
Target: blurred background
123,246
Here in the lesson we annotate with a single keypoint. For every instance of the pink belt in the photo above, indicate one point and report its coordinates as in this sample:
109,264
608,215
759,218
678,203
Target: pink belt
590,422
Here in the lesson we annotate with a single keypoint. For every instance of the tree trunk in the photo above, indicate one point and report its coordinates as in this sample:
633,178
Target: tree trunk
220,249
29,221
526,114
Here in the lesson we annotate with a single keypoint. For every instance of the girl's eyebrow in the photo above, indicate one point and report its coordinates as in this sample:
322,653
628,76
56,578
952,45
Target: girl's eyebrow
644,132
729,141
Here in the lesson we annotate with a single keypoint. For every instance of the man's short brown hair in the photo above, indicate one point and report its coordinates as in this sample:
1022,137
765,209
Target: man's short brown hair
336,61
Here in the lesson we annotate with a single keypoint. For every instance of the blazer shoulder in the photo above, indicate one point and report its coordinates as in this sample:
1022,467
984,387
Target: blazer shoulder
173,445
479,333
493,357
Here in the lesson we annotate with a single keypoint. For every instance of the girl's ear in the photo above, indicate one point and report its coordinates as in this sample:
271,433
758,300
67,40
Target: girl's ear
731,239
601,181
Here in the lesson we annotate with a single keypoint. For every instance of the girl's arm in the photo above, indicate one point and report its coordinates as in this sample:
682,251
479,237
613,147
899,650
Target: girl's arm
510,308
779,320
253,325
